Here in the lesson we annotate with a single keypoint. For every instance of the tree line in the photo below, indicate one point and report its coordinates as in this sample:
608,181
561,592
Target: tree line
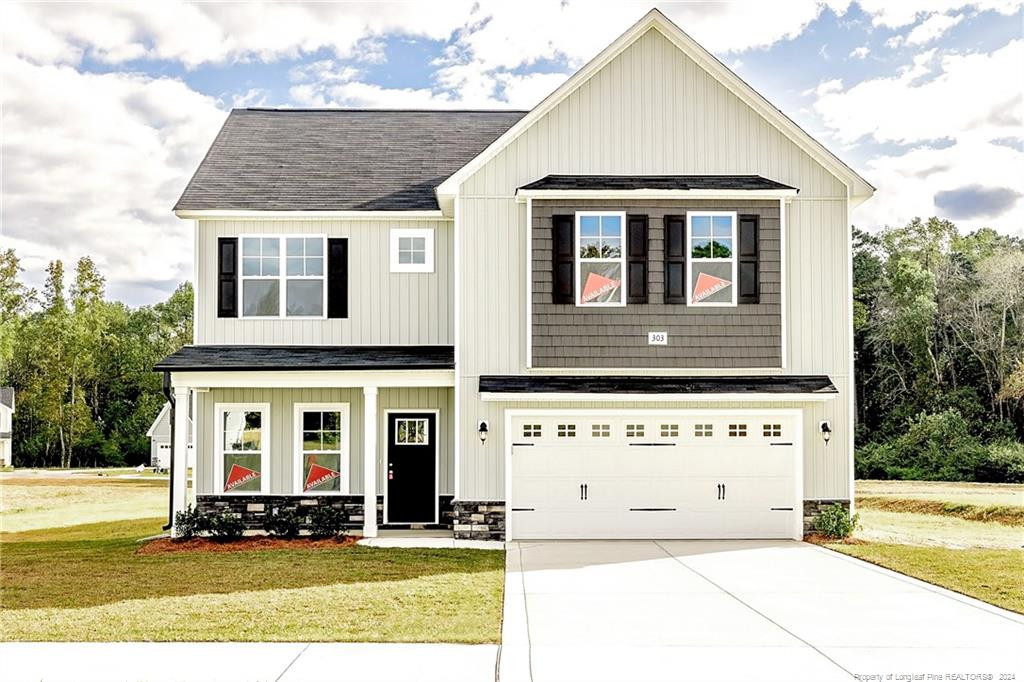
82,366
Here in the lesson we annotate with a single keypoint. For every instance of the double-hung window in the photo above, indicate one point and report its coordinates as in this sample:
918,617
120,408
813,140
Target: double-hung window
600,258
711,267
321,448
243,442
283,276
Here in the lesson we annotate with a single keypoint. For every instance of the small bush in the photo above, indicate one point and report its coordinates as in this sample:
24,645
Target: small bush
935,447
284,524
225,526
326,521
190,523
1003,463
835,522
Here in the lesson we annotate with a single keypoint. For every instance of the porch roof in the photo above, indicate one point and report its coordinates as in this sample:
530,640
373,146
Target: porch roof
223,358
655,182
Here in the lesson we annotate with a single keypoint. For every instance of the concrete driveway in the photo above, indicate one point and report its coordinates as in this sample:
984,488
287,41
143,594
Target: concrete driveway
737,610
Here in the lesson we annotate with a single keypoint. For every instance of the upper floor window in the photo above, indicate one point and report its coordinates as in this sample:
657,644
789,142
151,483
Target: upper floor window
600,258
711,267
283,276
412,250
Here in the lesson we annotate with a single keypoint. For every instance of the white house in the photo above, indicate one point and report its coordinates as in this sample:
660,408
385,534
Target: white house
6,424
159,435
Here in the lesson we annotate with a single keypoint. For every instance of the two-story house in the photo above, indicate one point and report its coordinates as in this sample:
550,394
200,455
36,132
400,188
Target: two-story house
625,313
6,424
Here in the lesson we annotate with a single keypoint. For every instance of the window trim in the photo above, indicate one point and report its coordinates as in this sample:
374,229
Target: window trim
282,278
219,410
398,233
297,451
734,287
622,260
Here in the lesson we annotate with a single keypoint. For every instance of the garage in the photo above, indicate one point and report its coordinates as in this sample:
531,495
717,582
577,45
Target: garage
632,474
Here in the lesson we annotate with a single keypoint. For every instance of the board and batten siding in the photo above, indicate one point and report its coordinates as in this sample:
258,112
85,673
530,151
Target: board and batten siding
282,435
651,111
385,308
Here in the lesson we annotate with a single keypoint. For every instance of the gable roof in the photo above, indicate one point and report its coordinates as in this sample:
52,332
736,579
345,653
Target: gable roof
658,182
7,396
157,423
654,19
338,159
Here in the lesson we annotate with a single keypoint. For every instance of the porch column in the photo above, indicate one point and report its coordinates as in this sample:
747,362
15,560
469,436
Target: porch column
179,469
369,461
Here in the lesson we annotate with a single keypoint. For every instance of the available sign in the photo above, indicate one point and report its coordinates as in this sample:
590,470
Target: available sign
706,285
598,287
318,475
239,475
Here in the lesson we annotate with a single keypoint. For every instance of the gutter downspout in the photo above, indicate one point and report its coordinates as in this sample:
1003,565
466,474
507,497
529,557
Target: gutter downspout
170,497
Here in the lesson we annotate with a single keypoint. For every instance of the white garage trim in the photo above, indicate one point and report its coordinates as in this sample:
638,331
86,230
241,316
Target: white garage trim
795,413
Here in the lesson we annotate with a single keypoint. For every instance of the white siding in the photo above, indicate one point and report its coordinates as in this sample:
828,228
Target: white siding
385,308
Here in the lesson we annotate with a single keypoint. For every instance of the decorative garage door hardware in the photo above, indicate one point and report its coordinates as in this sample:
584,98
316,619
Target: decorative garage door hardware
652,445
782,509
653,509
780,444
583,491
721,491
523,509
523,445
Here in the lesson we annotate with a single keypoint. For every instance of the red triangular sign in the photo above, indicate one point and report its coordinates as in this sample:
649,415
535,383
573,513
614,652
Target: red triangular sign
319,475
598,285
239,475
707,285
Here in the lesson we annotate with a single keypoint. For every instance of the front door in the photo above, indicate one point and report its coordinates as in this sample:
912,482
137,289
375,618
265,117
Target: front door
412,467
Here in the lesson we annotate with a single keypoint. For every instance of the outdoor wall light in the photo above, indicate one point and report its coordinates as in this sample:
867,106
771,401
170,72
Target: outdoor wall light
482,430
826,431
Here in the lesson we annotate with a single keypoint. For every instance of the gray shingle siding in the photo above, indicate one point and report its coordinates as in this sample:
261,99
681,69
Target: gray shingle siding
741,337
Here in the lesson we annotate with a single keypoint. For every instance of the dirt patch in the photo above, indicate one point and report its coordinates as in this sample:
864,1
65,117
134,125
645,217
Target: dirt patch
1006,515
248,544
819,539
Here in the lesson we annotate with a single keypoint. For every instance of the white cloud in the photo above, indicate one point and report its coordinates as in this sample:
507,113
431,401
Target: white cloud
860,52
891,14
933,27
253,97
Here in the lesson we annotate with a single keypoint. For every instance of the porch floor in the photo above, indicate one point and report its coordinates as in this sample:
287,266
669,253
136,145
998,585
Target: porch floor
426,539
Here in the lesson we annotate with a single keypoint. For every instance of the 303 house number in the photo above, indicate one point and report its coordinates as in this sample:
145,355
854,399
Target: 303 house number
657,338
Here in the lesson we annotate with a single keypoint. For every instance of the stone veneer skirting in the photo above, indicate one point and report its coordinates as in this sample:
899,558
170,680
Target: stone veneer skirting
813,509
478,519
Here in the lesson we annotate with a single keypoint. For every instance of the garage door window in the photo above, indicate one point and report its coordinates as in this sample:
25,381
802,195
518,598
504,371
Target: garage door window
601,430
772,430
634,430
737,430
531,431
566,431
670,430
703,430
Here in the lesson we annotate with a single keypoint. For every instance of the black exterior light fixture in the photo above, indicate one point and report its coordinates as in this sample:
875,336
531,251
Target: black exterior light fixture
482,431
826,431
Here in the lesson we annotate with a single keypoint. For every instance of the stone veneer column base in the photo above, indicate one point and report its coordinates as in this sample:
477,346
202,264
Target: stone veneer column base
253,510
478,519
813,509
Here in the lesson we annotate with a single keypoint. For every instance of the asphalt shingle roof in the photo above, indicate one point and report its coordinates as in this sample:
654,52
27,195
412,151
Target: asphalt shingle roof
619,182
655,384
245,358
338,159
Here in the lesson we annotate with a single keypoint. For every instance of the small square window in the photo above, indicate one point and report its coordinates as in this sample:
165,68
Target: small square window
703,430
566,430
634,430
412,250
531,431
737,430
670,430
772,430
601,430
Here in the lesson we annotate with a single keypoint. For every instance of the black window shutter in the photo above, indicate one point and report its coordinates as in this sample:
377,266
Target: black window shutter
227,277
747,265
337,278
636,258
675,259
562,262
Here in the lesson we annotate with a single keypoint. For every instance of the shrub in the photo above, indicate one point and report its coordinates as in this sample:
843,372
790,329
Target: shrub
1003,463
225,526
190,523
935,447
284,523
326,521
835,522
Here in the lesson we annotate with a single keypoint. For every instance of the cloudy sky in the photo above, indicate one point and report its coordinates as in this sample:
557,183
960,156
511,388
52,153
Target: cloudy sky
108,108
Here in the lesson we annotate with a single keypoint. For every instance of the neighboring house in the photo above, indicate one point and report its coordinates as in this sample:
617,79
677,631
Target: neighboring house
6,424
159,435
625,313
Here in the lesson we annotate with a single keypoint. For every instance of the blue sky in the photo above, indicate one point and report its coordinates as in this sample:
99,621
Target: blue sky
108,108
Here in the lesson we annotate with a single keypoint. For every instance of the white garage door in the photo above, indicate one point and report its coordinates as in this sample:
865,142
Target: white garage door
686,475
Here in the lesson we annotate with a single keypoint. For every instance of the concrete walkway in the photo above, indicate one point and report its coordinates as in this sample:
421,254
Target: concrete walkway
737,610
240,662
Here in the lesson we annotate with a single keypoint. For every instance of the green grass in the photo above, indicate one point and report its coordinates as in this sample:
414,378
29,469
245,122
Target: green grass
35,502
86,583
995,576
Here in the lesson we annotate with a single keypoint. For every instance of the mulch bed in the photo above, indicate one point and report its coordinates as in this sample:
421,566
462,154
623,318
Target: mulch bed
245,544
819,539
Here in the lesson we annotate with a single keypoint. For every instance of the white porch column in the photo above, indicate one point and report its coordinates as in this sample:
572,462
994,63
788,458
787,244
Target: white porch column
179,470
370,461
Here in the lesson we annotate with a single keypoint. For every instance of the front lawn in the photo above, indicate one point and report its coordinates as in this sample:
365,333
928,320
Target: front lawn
30,502
87,583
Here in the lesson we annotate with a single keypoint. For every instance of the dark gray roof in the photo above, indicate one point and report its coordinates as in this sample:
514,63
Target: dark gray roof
338,159
656,384
7,396
613,182
241,358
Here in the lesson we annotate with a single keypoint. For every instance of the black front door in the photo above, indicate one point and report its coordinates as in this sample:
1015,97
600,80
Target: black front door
412,447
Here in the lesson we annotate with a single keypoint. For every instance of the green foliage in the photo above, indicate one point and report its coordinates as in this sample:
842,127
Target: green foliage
1003,463
935,447
224,526
285,523
835,522
326,521
190,523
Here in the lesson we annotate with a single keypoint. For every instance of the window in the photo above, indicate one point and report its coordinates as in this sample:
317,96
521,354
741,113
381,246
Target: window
737,430
566,430
703,430
242,447
531,431
412,432
412,250
321,456
601,430
634,430
772,430
669,430
600,258
711,267
296,286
